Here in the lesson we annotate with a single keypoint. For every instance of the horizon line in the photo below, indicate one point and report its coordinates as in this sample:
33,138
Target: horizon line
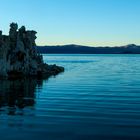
89,45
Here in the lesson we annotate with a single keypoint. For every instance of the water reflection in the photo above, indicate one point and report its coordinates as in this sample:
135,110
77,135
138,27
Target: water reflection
18,94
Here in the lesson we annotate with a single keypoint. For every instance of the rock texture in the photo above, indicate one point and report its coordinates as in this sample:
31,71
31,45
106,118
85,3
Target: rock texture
19,58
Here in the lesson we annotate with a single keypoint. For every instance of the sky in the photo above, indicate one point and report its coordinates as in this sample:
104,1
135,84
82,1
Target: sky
83,22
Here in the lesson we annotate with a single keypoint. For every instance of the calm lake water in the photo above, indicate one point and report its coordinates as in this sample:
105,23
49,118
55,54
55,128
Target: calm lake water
96,98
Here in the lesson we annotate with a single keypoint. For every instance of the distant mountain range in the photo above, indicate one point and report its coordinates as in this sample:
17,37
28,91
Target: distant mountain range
78,49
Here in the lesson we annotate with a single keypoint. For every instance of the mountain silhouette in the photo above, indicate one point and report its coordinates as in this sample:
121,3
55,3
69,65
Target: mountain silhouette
78,49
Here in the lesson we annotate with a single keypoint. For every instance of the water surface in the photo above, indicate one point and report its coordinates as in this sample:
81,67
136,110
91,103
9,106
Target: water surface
97,97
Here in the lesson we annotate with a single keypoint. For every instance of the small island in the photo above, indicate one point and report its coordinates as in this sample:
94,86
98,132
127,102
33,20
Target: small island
19,57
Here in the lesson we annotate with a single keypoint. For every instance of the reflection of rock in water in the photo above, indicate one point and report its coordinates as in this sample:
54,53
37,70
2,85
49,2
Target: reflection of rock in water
18,94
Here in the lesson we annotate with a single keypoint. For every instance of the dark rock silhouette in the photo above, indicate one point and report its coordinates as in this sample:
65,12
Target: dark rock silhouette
19,58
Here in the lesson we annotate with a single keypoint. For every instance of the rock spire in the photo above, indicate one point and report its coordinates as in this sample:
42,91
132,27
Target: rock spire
18,56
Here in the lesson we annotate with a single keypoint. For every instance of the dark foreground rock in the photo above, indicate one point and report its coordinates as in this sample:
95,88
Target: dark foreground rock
19,58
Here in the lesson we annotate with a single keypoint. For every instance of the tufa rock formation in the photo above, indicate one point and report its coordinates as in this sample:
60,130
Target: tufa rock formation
19,58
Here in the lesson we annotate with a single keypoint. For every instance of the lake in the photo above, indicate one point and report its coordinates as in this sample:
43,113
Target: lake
96,98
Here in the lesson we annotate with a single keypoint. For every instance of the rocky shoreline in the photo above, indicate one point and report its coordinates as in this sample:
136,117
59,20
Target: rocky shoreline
20,59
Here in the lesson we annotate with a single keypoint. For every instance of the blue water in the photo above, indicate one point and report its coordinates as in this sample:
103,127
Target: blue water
96,98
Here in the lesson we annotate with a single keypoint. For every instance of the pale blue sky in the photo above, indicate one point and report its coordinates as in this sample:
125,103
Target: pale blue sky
85,22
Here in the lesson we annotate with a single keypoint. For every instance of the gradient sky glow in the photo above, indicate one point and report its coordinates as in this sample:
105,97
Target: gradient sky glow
85,22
